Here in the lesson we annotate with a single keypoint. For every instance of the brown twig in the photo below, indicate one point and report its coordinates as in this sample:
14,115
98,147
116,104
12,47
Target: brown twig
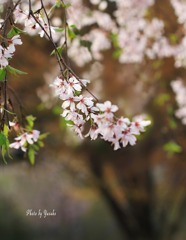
62,64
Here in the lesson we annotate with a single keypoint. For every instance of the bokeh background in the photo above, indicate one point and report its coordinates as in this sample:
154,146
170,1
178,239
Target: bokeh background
134,193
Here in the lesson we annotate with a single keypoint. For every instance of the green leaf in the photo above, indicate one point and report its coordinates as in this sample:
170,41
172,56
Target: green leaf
35,147
117,50
73,26
2,74
2,139
4,143
14,31
59,49
56,110
114,38
59,29
15,71
65,123
117,53
30,120
6,130
31,155
3,152
162,98
173,38
58,4
43,136
172,147
71,34
40,143
67,5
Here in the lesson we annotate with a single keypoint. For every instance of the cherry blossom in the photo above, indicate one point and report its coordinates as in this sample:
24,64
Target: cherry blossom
16,40
17,145
107,108
93,132
70,102
4,56
180,90
6,53
25,139
84,104
103,123
78,108
128,138
35,135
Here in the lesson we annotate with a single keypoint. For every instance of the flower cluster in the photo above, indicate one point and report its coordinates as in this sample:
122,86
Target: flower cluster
180,90
79,109
25,139
33,26
138,36
7,53
180,8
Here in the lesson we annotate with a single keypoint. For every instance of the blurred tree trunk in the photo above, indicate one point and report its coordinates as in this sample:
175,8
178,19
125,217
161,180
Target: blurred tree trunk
134,219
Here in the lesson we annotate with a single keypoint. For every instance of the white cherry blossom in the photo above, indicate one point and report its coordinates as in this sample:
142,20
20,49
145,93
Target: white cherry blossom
137,36
17,145
25,139
107,108
180,90
69,103
84,104
35,135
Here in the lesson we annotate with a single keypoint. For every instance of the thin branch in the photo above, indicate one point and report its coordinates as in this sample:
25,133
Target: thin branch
48,20
66,39
22,109
9,14
60,59
50,39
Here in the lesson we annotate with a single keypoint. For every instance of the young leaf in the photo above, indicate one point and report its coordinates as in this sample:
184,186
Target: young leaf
2,74
117,50
43,136
2,139
30,120
3,153
15,71
6,131
58,4
59,29
14,31
31,155
73,26
172,147
66,5
4,143
40,143
173,38
59,49
71,34
117,53
114,38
